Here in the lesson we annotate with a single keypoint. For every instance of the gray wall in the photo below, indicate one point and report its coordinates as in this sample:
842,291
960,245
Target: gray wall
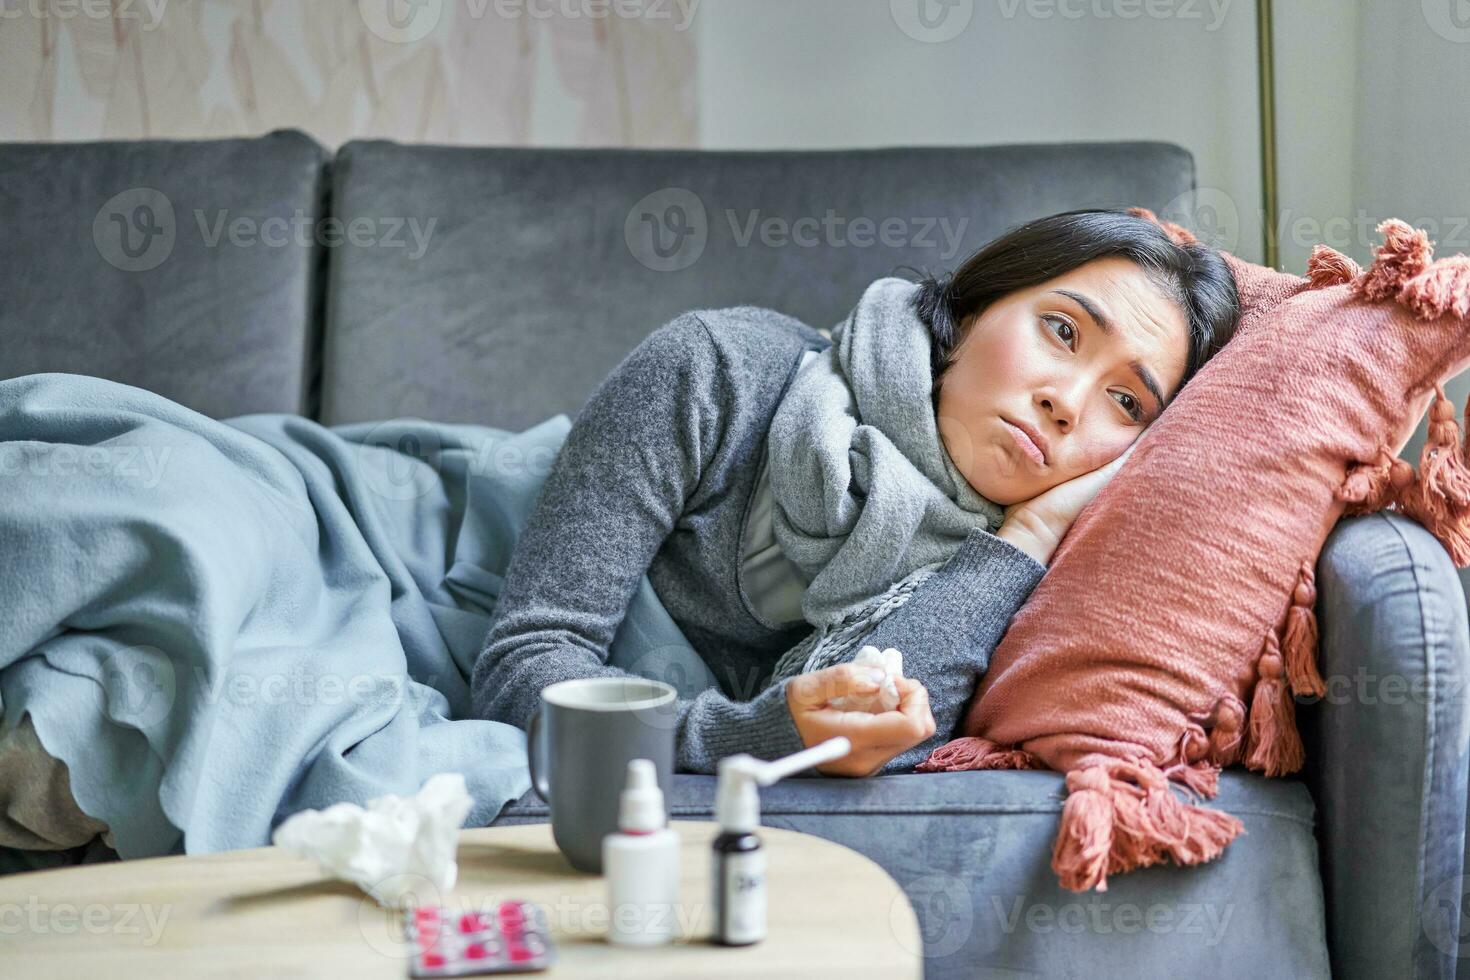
824,73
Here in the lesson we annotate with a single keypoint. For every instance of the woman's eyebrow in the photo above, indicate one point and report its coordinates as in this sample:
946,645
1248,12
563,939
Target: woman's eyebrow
1106,326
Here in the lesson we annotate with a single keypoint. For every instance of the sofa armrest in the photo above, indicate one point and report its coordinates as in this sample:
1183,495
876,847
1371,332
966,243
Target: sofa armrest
1387,749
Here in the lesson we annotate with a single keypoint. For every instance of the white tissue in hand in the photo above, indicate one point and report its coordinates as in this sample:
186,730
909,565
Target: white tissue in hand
392,850
886,698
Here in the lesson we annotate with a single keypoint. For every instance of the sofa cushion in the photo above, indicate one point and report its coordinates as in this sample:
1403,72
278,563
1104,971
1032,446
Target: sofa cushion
972,851
184,267
1388,749
534,271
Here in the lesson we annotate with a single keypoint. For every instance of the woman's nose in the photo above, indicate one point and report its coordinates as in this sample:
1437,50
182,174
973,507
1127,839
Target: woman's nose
1060,415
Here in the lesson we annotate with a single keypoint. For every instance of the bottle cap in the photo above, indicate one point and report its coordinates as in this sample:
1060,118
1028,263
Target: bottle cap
737,801
641,804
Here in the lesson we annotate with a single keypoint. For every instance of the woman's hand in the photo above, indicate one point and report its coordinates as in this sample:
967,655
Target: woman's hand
876,737
1036,526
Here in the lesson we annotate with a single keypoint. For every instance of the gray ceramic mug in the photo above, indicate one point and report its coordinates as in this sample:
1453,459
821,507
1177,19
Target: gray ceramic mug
580,740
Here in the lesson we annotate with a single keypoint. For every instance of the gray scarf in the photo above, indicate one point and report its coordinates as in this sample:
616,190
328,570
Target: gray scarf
864,492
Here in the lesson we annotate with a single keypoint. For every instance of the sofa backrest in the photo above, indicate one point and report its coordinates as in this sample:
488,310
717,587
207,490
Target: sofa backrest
467,284
185,267
532,272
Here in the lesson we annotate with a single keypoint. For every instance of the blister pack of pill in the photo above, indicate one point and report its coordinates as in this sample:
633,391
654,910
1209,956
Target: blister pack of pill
510,938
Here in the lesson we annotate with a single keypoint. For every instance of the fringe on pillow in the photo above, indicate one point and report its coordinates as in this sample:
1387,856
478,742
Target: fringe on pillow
1272,743
1201,778
1404,254
1440,288
1285,668
1227,731
972,752
1405,270
1371,487
1439,498
1121,814
1299,636
1443,472
1328,267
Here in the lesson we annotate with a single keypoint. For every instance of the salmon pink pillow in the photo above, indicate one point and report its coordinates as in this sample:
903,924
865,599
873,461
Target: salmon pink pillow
1188,659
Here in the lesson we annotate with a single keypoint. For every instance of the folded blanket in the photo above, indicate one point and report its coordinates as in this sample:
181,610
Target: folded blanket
865,493
215,624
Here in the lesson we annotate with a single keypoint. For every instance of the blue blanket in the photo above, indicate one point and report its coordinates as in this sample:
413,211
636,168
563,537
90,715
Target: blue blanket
215,624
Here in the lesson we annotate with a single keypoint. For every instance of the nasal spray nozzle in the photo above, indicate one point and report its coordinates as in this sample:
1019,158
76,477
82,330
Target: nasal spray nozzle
737,802
738,877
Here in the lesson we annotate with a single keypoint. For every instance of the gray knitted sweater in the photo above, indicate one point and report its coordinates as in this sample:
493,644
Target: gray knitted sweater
656,475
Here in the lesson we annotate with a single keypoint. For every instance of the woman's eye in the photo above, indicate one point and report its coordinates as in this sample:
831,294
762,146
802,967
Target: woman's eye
1132,406
1071,334
1134,409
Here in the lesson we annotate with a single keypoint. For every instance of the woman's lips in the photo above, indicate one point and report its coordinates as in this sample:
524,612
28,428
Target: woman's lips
1024,441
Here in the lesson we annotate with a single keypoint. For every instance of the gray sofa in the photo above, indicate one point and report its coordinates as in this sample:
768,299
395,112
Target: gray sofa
267,274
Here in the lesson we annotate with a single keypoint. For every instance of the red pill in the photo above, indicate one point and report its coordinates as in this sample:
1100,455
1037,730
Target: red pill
474,922
433,959
519,953
475,951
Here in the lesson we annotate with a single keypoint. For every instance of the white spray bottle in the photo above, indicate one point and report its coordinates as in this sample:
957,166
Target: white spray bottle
738,873
641,863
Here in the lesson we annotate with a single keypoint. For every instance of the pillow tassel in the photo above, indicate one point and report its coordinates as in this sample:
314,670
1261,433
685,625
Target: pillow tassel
1440,498
1329,267
1300,639
1450,529
1442,468
972,752
1227,731
1273,745
1370,487
1443,287
1121,815
1085,840
1201,778
1405,253
1183,833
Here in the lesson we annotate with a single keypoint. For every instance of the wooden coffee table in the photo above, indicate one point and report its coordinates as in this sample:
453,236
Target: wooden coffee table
261,912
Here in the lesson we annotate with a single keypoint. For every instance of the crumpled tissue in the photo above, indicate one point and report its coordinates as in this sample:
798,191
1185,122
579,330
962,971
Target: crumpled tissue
395,849
886,698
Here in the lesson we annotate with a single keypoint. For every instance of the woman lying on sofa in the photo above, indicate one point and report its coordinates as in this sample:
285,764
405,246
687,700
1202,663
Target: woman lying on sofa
902,485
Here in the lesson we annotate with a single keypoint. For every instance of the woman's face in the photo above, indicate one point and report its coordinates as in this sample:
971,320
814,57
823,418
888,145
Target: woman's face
1071,358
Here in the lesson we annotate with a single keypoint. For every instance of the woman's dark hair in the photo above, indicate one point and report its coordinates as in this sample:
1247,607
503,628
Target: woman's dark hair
1195,276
